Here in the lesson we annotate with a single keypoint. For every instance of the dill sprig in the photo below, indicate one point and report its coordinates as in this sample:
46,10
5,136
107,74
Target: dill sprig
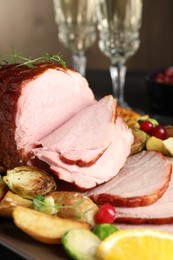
19,60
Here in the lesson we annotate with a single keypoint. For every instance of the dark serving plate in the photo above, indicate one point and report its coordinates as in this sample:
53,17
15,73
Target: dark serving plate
24,246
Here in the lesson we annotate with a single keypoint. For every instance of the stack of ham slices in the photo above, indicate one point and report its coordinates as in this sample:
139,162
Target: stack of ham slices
142,191
49,117
89,149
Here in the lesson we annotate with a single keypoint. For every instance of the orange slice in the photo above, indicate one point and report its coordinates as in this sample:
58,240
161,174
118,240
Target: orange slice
136,244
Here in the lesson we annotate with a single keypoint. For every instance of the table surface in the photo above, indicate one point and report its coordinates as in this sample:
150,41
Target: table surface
135,95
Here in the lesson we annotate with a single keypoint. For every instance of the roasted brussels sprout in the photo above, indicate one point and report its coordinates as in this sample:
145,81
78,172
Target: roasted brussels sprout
140,138
28,182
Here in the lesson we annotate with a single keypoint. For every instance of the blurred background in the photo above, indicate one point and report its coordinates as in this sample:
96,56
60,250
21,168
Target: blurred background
29,26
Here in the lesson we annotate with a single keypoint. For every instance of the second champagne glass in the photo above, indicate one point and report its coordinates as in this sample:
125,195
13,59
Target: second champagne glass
119,22
76,20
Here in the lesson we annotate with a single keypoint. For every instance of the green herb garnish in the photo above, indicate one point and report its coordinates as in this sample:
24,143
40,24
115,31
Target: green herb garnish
49,206
19,60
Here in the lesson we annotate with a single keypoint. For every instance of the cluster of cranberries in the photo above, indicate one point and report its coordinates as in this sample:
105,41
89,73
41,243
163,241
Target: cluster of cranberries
164,76
153,129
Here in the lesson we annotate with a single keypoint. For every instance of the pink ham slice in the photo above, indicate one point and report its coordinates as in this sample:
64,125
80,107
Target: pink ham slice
105,168
142,181
84,138
160,212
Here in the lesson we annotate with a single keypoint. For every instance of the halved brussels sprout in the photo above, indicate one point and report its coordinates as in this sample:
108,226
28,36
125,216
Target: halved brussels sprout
140,138
28,182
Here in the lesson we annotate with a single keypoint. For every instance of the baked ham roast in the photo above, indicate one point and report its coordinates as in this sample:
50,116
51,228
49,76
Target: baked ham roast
33,103
50,113
42,104
142,181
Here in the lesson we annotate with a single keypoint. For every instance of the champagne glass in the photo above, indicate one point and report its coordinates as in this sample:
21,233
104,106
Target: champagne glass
76,21
119,22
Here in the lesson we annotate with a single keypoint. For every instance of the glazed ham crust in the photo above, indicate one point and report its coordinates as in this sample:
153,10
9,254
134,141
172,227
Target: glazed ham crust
23,103
12,79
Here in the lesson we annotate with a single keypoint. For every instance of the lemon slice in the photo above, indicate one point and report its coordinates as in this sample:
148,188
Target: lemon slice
136,244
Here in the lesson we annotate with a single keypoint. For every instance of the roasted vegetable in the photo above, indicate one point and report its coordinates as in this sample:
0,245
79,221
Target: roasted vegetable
104,230
154,144
130,117
81,244
43,227
45,204
75,205
168,146
169,131
28,182
10,201
140,138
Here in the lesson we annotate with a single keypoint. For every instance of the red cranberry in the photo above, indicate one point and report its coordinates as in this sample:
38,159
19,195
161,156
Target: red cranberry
146,126
106,214
159,131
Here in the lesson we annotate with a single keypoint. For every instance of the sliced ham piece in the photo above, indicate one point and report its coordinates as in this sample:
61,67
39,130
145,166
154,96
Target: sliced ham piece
105,168
161,212
142,181
85,137
33,103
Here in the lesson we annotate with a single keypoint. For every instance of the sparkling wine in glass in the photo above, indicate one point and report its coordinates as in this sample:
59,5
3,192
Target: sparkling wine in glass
119,22
76,21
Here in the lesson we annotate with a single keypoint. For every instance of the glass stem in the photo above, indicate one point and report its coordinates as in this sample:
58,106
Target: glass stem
118,74
79,63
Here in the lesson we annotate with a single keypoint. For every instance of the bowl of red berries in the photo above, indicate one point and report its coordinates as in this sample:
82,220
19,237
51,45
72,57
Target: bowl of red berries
160,90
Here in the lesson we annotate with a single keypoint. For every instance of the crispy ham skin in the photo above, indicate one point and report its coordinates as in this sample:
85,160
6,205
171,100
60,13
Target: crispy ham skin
33,103
142,181
85,137
105,168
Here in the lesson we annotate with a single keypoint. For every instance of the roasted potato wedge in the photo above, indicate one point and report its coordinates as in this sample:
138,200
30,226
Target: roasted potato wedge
43,227
28,182
3,188
82,207
10,201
